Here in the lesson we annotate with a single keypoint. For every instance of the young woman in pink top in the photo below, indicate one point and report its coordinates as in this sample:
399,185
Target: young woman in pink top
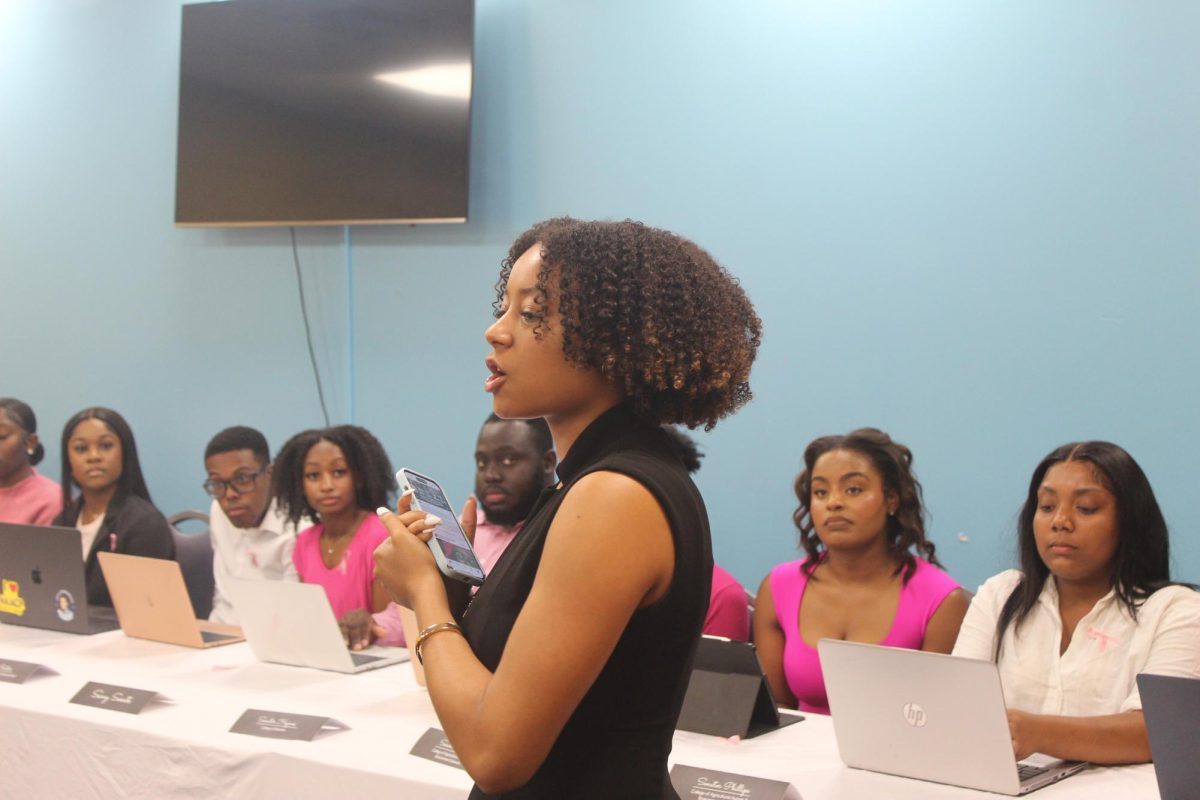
338,476
860,517
25,495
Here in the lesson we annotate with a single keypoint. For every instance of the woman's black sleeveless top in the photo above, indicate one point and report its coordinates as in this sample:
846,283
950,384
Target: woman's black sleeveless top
616,743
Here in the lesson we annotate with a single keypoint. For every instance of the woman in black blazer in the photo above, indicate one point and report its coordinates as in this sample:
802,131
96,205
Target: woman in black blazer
113,510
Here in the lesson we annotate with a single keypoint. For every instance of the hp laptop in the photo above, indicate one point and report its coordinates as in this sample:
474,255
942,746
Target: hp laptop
152,602
42,583
928,716
1172,709
292,623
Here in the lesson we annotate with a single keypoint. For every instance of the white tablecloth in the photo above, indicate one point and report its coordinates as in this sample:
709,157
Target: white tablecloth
51,748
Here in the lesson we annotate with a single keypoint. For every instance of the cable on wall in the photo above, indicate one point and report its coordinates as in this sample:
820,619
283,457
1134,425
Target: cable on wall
351,344
312,356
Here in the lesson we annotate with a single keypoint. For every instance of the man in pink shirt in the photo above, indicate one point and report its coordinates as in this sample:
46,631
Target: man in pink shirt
514,462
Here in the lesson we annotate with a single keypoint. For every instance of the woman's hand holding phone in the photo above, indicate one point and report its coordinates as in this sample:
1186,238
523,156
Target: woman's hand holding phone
403,561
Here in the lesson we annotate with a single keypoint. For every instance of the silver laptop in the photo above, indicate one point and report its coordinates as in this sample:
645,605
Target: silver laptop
928,716
42,582
152,602
291,623
1171,706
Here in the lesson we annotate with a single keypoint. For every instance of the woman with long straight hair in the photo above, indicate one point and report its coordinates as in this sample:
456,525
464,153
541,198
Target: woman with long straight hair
113,510
1091,607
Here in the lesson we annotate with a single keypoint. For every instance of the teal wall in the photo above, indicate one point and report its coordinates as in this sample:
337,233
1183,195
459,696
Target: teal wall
973,224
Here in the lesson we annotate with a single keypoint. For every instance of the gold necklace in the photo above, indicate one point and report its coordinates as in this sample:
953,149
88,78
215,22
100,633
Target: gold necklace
329,548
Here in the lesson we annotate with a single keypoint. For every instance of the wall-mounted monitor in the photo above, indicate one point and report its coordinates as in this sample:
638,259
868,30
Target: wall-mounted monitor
323,112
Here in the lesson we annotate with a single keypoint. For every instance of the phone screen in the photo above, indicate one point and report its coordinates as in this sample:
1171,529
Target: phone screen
449,535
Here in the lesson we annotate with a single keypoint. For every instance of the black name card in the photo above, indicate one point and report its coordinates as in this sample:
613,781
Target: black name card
113,698
434,746
20,671
282,725
710,784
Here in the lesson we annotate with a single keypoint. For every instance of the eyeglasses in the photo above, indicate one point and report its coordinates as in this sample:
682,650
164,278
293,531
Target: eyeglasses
241,482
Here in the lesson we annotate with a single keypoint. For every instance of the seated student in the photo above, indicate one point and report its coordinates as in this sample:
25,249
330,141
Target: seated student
113,511
860,517
1090,608
338,476
728,604
25,495
514,462
251,537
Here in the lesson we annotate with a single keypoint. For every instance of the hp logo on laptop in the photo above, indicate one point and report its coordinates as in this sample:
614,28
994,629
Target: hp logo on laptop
914,715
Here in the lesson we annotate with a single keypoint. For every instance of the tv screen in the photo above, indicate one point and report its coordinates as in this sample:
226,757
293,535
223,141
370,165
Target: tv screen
319,112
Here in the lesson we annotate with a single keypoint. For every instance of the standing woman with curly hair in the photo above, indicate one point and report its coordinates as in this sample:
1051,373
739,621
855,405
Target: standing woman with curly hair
26,496
565,676
860,517
337,476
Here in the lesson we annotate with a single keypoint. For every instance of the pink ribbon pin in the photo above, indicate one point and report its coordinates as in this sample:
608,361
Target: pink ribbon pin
1102,638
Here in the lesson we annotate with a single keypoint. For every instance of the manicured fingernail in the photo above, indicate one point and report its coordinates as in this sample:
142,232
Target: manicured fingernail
432,521
382,510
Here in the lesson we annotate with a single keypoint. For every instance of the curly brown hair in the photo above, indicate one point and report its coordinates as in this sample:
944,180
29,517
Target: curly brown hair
893,462
652,311
374,483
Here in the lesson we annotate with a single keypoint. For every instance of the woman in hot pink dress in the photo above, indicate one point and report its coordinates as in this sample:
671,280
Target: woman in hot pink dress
860,517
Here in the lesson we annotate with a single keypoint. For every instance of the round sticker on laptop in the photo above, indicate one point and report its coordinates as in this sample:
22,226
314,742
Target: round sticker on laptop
64,605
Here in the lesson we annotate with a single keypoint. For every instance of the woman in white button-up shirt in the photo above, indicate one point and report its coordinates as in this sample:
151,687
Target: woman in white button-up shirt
1091,607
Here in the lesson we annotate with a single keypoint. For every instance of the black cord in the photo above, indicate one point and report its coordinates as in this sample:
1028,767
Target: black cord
307,329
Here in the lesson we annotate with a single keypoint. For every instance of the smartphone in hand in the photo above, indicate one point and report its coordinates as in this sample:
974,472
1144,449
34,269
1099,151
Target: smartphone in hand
449,544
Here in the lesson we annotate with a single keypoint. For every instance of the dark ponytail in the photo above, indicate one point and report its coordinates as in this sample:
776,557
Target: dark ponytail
22,415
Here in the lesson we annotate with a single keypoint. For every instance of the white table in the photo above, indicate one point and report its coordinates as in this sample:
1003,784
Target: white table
50,747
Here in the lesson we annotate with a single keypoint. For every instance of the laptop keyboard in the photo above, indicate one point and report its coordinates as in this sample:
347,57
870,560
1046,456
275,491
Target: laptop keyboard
209,636
360,659
1029,771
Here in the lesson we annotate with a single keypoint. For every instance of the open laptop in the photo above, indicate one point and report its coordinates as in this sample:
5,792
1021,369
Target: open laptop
152,602
42,582
1171,706
928,716
292,623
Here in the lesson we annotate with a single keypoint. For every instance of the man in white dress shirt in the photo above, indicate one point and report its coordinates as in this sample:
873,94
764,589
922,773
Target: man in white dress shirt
251,538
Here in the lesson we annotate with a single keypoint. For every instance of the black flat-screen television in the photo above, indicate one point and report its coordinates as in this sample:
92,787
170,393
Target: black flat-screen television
320,112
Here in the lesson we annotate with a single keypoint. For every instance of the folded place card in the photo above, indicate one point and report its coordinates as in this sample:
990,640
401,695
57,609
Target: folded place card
282,725
711,784
20,671
434,745
114,698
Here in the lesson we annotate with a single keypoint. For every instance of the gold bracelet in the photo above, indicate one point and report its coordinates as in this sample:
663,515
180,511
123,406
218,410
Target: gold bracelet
430,631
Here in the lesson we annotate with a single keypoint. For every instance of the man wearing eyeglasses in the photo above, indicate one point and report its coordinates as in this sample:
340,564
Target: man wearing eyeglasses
251,538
